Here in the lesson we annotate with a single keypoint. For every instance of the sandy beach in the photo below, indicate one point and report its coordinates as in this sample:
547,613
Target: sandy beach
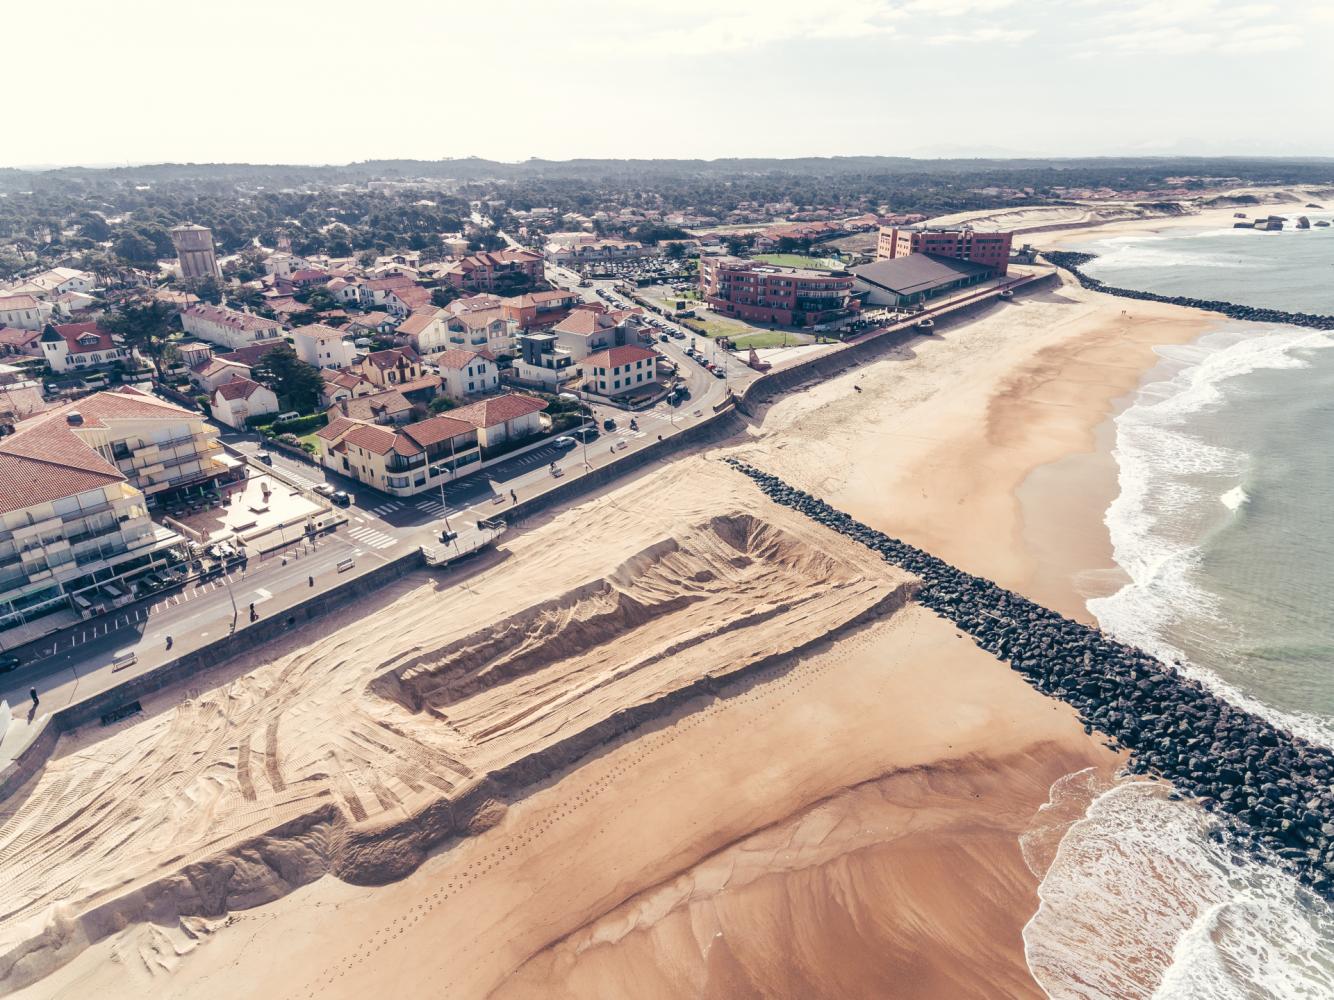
437,799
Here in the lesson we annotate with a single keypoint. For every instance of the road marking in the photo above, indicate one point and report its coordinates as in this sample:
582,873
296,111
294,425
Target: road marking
372,538
387,508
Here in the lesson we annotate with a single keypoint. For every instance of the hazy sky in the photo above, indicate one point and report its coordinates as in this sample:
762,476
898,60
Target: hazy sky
336,81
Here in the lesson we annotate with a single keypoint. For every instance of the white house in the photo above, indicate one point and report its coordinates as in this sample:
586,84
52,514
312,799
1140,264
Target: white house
619,370
210,374
229,327
73,346
427,330
323,346
54,282
24,312
467,373
483,329
235,401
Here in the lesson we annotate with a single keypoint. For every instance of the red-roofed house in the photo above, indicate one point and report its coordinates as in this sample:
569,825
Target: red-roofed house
235,402
72,346
620,370
15,341
403,461
228,327
495,270
503,418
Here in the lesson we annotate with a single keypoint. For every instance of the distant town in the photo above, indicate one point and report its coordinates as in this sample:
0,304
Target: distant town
194,381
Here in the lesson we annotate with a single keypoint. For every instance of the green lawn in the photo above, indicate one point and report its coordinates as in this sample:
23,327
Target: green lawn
798,260
771,338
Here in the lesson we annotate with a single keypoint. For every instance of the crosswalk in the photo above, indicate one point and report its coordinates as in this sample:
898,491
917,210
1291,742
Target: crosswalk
434,508
372,538
305,482
386,508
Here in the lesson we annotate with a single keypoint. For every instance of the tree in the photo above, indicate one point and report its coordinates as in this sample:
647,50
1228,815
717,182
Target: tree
291,378
441,297
134,248
442,403
675,251
144,326
206,288
738,243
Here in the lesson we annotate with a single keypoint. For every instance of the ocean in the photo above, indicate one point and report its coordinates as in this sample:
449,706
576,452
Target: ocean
1224,524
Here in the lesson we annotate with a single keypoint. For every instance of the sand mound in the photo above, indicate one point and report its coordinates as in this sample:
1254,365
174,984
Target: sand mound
356,753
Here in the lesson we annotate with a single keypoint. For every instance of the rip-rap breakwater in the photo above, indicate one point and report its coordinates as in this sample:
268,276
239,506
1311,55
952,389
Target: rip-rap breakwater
1073,262
1275,785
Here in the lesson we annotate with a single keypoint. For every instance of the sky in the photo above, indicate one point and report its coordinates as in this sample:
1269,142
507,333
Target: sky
336,81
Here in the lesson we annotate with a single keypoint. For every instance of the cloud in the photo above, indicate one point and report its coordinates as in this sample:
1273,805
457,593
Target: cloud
955,8
695,27
990,34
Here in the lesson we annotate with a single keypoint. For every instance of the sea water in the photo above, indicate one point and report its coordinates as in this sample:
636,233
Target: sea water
1224,525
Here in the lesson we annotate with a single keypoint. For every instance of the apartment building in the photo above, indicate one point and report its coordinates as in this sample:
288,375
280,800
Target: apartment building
765,293
399,461
53,283
988,249
586,331
229,328
482,330
74,523
620,370
405,461
495,270
580,249
542,361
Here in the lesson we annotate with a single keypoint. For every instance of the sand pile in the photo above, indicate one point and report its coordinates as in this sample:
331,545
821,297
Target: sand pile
356,753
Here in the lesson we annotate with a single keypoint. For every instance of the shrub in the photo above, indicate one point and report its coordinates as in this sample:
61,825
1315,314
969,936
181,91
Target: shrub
300,425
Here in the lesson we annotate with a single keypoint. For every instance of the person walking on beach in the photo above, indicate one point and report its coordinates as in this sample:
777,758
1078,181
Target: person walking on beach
32,693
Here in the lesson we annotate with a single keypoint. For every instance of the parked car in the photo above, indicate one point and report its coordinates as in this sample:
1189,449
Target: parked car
719,373
8,662
341,498
564,441
664,338
584,433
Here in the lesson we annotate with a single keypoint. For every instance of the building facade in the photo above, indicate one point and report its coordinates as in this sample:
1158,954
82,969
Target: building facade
496,270
323,346
76,346
194,250
234,403
620,370
229,328
467,373
766,293
989,249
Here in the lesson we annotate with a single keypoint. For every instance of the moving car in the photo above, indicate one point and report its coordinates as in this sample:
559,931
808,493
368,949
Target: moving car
264,457
609,424
8,662
719,373
325,489
584,433
341,498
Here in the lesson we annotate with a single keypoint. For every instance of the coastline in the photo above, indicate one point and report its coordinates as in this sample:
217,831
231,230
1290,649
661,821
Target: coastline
734,815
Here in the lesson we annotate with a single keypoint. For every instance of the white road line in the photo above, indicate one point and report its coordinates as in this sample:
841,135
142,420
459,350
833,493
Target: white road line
374,539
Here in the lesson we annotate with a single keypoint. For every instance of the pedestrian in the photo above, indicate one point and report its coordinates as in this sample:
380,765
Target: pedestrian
32,693
514,497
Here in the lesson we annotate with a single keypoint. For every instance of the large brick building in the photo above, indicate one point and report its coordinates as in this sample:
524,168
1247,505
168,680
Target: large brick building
765,293
989,249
